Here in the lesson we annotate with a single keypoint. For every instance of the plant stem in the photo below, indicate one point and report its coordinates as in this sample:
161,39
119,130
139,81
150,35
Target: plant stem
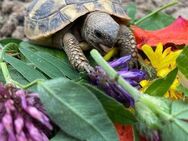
114,75
156,108
156,11
5,72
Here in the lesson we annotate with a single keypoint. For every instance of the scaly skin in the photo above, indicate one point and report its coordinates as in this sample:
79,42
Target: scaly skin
75,54
127,44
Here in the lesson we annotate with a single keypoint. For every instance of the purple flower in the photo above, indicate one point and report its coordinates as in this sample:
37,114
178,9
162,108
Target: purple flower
22,116
111,87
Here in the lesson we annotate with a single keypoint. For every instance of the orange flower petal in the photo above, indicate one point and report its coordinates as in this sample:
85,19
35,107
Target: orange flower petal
175,33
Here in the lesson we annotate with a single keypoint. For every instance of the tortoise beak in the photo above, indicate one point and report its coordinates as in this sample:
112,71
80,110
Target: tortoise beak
105,48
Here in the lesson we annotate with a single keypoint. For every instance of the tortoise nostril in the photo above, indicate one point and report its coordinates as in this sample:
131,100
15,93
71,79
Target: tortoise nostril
98,34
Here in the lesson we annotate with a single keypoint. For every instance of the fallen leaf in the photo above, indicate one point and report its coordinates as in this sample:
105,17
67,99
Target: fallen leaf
176,33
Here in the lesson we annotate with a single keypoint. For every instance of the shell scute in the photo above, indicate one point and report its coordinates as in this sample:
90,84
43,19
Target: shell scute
46,17
44,10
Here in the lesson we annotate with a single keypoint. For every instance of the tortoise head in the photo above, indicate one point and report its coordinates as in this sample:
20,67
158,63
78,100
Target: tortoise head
100,30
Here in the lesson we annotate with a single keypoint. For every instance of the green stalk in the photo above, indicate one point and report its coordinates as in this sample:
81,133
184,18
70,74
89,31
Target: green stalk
156,11
159,110
5,72
147,100
114,75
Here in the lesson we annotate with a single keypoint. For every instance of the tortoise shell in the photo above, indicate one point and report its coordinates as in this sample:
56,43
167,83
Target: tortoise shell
46,17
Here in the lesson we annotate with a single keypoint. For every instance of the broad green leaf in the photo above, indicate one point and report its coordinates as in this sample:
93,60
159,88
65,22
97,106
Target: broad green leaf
39,48
41,63
156,21
27,72
63,66
176,129
9,40
76,110
16,76
61,136
131,10
182,62
115,110
160,86
47,62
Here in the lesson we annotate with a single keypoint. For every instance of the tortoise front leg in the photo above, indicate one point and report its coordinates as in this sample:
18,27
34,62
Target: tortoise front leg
75,54
127,44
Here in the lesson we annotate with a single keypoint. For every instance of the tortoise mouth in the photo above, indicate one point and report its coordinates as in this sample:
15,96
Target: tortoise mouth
105,48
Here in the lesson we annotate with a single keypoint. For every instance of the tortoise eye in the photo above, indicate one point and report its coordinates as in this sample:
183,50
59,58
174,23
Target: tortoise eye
98,34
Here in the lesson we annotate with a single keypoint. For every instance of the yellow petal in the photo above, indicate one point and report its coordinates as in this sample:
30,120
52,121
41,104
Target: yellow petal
144,83
150,54
170,59
163,72
166,52
110,54
159,50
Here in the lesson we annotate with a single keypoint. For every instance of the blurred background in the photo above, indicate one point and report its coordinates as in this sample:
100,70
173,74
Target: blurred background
12,13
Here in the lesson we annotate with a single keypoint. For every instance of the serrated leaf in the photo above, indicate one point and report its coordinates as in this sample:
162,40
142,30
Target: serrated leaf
182,62
61,136
79,112
115,110
176,129
156,21
27,72
160,86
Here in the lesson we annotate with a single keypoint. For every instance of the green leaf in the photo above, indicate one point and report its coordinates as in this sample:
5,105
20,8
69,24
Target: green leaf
41,63
160,86
76,110
176,129
11,47
9,40
182,89
27,72
2,80
115,110
156,21
38,48
61,136
16,76
63,66
182,62
131,10
48,63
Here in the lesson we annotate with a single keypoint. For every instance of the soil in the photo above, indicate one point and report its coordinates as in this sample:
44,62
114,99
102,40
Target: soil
12,14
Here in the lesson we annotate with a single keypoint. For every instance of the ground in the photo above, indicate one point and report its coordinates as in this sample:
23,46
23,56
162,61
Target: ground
12,13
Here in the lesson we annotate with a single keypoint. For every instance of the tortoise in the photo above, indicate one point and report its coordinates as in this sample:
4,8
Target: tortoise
75,25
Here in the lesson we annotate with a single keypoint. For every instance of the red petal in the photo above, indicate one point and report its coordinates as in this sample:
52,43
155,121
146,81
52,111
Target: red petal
176,33
125,133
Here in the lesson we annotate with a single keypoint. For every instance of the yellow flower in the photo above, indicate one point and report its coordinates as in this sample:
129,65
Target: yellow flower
162,61
172,93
